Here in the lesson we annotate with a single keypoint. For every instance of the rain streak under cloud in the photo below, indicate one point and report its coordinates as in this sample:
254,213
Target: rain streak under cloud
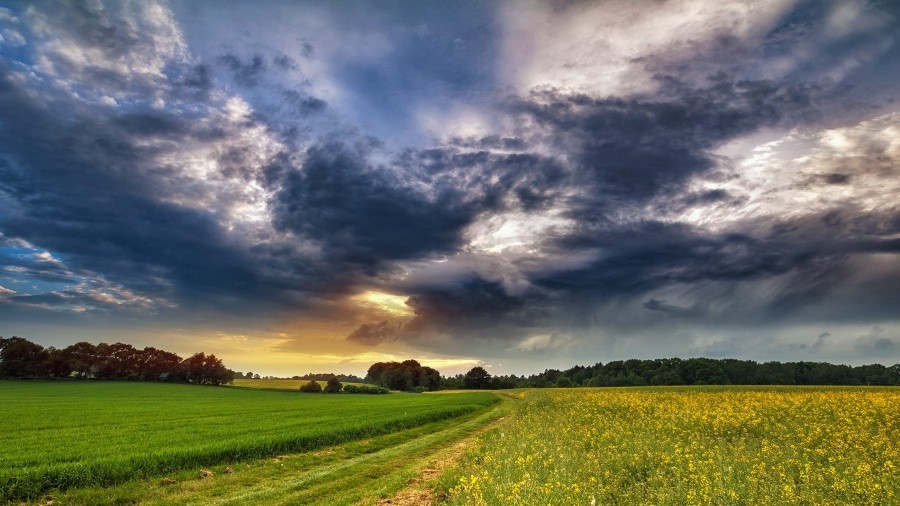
307,186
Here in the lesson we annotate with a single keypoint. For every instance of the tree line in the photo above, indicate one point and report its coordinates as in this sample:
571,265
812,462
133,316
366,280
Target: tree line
692,371
326,376
23,359
314,376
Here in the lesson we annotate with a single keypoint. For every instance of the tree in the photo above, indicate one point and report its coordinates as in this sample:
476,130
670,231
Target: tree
82,358
565,382
118,361
205,370
407,376
20,358
57,365
312,387
477,378
333,386
158,365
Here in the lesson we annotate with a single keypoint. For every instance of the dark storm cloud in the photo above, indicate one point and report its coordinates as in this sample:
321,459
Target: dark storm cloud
363,214
672,309
632,150
706,197
496,180
475,298
651,254
815,253
81,188
836,178
377,333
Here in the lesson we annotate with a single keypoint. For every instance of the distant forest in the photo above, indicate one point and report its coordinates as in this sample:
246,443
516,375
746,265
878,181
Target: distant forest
23,359
692,371
313,376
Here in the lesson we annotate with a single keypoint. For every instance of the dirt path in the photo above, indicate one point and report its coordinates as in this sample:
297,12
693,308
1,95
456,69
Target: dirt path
420,491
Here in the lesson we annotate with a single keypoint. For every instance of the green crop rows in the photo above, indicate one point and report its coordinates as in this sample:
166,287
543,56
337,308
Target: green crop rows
59,435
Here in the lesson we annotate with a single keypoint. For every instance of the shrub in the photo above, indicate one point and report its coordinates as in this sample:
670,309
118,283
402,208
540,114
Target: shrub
311,387
333,386
365,389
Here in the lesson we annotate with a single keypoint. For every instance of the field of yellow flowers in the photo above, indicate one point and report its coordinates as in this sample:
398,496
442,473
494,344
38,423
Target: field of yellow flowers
690,445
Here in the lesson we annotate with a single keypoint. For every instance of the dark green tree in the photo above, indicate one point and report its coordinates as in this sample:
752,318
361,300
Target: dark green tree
312,387
82,358
333,385
477,377
205,369
408,376
158,365
20,358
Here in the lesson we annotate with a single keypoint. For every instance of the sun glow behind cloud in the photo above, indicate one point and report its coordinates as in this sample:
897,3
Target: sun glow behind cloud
392,304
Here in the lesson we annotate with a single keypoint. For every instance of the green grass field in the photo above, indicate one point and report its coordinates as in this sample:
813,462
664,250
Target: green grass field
63,435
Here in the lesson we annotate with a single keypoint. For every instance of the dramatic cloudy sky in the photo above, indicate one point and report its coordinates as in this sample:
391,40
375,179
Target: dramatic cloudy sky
315,186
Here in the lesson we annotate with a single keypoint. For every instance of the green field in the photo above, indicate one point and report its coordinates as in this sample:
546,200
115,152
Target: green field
63,435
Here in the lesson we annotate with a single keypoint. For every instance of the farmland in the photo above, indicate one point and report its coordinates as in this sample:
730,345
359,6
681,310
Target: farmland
715,445
62,435
137,443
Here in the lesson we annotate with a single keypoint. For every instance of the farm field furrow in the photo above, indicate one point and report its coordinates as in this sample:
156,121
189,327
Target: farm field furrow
690,445
99,439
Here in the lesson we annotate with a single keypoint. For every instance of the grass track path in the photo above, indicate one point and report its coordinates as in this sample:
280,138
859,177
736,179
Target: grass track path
356,473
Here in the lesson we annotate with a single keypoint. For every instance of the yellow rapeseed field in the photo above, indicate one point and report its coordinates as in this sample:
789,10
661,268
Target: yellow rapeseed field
690,445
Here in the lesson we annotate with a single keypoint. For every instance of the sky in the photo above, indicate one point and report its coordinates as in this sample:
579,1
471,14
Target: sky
317,186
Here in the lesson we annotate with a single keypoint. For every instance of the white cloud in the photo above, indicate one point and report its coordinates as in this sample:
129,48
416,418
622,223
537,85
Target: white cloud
544,342
118,50
598,47
11,38
807,173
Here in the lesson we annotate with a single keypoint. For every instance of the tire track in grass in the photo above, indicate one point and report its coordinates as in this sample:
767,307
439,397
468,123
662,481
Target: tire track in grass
355,472
367,478
420,490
